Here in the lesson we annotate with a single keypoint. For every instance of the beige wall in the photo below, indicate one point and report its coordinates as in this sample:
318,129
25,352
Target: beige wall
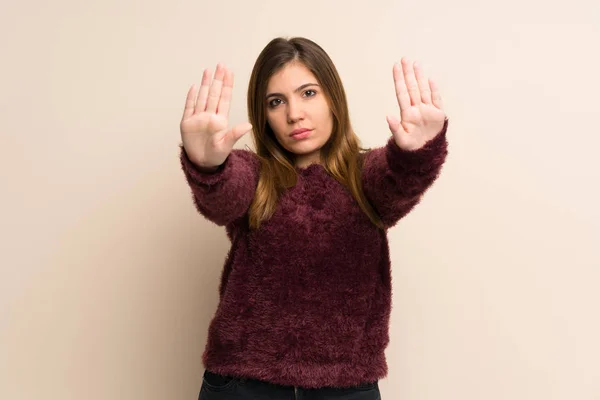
109,277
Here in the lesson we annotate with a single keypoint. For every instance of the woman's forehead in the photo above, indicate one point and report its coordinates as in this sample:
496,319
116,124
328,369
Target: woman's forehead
290,77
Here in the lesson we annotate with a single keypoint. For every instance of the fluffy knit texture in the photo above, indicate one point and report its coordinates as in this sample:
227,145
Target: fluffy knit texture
305,300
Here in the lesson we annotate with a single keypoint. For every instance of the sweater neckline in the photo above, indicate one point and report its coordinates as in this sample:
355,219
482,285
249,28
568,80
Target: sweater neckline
310,167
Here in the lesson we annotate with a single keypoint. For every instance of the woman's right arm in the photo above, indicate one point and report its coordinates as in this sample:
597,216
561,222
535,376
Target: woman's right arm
223,180
225,193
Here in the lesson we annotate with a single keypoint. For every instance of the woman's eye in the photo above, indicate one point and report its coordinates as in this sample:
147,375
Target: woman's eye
272,103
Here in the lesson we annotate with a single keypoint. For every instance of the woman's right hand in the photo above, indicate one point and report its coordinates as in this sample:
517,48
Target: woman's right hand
204,126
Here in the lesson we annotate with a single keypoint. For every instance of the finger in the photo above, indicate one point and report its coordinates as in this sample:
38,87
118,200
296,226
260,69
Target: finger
423,84
238,131
411,81
393,123
215,90
225,100
401,91
190,102
203,92
436,96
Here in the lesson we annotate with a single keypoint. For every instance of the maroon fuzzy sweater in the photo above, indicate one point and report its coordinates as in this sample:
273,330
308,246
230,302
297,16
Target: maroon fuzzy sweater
305,300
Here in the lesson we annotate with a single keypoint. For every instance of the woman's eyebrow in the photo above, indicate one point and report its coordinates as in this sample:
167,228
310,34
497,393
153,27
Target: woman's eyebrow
295,91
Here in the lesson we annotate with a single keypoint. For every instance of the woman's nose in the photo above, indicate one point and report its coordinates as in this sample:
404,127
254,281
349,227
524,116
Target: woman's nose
294,111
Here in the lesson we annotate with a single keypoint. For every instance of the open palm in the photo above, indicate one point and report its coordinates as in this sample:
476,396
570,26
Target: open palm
204,126
421,113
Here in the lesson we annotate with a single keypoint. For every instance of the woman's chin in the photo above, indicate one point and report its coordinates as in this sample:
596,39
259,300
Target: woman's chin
303,150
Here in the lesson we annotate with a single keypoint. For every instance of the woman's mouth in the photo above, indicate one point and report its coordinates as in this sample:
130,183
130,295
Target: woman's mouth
301,135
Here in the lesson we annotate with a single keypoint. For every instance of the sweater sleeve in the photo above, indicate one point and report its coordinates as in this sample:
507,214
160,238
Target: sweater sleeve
224,195
394,180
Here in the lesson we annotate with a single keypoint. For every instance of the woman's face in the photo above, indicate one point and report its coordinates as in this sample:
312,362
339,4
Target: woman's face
295,100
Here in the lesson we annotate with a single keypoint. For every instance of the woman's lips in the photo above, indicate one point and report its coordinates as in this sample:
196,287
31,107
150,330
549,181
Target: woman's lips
301,135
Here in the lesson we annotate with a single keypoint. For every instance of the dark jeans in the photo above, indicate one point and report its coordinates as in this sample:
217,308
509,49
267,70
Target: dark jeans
221,387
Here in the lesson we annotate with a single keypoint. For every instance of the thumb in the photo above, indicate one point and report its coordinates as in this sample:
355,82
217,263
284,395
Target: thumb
393,123
238,131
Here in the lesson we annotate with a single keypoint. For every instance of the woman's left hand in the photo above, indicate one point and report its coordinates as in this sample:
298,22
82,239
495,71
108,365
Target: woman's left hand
421,114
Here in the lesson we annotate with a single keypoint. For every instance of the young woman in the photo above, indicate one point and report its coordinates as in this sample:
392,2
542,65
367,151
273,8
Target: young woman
305,292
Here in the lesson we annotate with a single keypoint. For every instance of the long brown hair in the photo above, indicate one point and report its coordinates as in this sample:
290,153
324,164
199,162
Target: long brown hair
340,155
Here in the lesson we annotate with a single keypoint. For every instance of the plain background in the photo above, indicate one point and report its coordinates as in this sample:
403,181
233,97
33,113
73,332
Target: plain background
109,276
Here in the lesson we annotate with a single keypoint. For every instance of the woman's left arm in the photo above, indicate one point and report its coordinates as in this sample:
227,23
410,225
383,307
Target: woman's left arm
396,176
